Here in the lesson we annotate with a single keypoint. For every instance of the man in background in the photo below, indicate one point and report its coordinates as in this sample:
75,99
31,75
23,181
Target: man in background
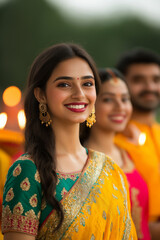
141,139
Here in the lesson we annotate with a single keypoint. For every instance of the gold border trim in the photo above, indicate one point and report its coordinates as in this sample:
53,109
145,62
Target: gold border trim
74,200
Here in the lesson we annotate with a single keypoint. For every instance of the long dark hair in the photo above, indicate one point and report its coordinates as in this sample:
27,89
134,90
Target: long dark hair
40,140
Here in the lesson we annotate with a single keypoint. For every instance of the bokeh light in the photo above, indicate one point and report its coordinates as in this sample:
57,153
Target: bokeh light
142,139
3,120
12,96
21,119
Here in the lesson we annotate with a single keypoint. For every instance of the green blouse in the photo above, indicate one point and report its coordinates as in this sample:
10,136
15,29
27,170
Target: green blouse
23,197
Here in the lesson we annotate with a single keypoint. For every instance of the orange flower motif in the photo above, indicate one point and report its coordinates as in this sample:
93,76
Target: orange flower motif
33,200
10,195
17,170
18,209
37,177
25,184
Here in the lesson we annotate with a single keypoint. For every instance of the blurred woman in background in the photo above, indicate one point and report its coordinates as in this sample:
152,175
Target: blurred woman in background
113,110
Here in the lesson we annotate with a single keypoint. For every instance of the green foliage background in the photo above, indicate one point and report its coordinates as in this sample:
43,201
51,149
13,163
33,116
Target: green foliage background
29,26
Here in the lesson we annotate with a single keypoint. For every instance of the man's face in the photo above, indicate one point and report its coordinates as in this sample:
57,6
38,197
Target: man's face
144,86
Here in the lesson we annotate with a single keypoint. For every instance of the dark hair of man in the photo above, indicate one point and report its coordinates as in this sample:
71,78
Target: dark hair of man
137,56
39,139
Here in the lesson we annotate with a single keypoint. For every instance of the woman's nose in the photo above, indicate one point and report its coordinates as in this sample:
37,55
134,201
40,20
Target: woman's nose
78,92
119,105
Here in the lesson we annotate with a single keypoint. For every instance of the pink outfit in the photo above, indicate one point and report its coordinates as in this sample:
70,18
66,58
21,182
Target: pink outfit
139,200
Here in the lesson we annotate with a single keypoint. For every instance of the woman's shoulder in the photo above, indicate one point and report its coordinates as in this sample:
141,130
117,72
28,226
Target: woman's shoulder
23,165
108,165
101,156
25,160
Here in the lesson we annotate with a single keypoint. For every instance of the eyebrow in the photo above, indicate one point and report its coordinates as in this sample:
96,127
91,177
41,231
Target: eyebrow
143,76
71,78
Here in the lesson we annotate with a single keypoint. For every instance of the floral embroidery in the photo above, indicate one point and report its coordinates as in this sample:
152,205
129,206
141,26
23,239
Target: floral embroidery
25,184
39,214
43,204
58,181
89,209
6,211
82,221
111,226
64,191
10,195
37,177
19,223
17,170
104,215
25,157
18,209
92,237
72,176
118,210
115,188
74,210
30,214
33,200
76,227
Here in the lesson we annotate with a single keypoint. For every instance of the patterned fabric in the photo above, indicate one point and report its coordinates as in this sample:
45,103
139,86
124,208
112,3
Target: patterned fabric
96,207
65,183
147,161
22,198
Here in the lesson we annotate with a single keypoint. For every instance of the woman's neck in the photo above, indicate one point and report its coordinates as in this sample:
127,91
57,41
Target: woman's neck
66,138
101,140
70,154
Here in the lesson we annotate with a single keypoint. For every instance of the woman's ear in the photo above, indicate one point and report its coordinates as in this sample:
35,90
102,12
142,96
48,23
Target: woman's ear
39,95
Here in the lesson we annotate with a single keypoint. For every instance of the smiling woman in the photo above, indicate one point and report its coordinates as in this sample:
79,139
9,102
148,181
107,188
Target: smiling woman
58,189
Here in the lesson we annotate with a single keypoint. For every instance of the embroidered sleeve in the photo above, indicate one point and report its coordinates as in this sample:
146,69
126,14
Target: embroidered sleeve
22,199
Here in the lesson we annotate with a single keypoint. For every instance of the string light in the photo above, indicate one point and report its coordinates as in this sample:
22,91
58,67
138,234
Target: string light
3,120
21,119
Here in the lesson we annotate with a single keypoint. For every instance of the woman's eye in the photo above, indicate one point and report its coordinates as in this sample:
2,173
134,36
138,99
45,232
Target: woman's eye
88,84
107,100
125,99
63,85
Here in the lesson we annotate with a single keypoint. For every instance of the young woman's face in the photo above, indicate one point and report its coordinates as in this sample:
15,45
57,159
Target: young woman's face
70,91
113,106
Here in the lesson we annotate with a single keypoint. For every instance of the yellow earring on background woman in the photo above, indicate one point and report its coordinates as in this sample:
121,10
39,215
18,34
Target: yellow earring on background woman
91,119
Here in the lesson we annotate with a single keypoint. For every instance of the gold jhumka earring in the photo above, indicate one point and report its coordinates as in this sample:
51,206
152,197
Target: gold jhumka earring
44,115
91,119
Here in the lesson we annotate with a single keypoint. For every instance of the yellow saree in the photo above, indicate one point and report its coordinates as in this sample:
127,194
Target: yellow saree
96,207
